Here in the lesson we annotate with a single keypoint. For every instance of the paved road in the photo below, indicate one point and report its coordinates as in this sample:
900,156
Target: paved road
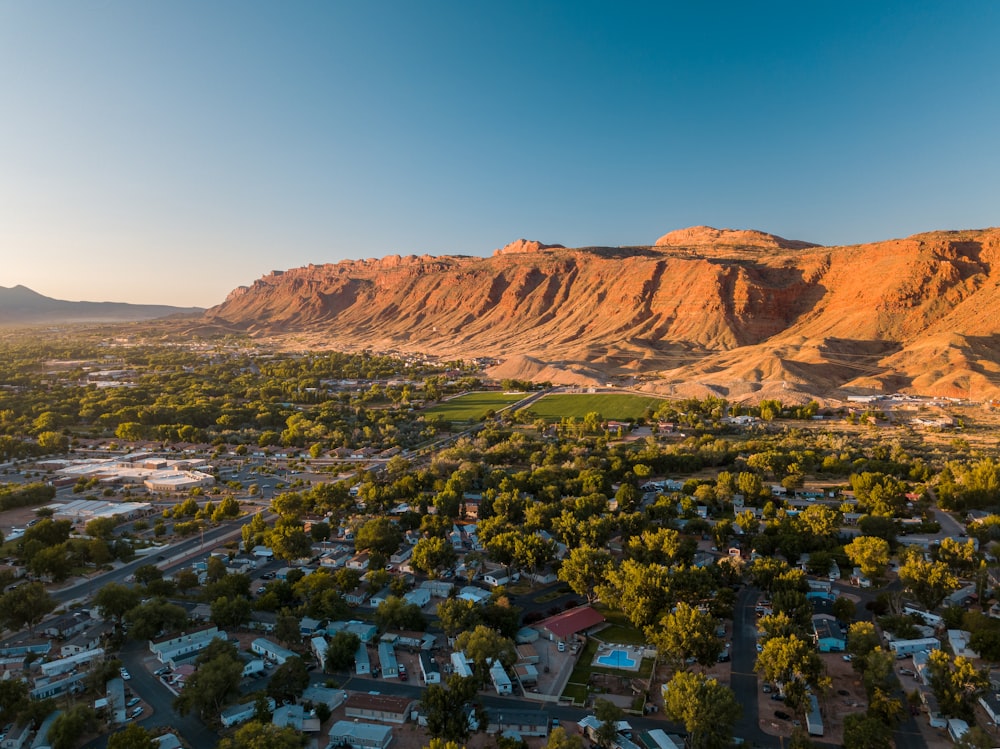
744,680
176,556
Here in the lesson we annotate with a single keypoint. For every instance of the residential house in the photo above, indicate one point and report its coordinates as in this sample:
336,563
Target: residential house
115,696
271,650
437,588
362,663
360,735
418,596
359,562
296,717
174,648
67,625
827,634
41,740
429,670
461,665
17,736
365,631
388,666
381,707
319,647
501,681
320,695
71,662
518,723
236,714
381,597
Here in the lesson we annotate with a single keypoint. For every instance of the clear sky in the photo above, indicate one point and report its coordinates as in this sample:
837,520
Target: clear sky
167,152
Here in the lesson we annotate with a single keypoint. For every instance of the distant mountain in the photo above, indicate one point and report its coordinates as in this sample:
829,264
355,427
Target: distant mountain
22,306
740,314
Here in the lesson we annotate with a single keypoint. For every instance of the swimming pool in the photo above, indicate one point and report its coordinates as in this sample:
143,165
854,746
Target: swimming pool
617,658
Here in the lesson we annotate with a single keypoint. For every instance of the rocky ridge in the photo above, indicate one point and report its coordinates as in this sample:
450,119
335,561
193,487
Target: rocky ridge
742,314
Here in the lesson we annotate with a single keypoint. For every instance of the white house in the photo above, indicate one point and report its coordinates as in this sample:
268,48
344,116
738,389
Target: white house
460,664
360,735
362,663
320,647
429,670
173,647
387,661
419,596
501,681
272,651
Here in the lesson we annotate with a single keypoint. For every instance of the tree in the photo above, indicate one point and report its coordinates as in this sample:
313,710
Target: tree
114,601
69,726
133,736
684,633
929,582
844,609
956,683
288,540
13,699
861,640
609,714
869,553
433,554
559,739
444,706
793,662
341,650
215,682
25,606
380,535
102,527
258,735
866,732
483,645
583,569
287,628
974,738
149,619
289,680
459,615
230,612
707,709
396,613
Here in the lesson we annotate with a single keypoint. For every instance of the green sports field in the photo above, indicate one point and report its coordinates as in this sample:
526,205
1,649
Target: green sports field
473,406
617,406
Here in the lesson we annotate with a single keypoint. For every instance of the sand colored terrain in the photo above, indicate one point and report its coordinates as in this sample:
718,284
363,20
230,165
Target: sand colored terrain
741,314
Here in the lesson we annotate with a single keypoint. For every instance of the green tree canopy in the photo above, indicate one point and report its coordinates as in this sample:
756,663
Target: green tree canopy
707,709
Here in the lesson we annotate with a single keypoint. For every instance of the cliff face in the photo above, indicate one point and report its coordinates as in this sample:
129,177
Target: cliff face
741,313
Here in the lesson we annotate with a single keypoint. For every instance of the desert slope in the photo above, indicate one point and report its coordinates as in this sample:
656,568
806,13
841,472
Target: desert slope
741,313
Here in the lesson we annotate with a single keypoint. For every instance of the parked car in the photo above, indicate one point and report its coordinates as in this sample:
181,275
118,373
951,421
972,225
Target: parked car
136,713
133,702
125,674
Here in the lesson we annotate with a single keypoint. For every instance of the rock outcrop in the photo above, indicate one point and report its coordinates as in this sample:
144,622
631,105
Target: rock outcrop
739,313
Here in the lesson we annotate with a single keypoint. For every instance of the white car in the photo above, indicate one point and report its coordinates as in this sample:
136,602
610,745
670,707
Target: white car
125,674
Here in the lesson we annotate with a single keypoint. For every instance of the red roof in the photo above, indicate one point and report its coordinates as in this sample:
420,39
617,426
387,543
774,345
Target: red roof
571,621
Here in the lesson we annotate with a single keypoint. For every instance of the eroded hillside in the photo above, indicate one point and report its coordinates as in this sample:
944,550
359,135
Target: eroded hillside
744,314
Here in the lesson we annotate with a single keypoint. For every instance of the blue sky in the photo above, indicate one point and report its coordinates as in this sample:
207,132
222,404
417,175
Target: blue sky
169,152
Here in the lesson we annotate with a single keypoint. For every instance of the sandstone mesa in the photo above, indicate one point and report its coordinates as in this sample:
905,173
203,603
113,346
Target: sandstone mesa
737,313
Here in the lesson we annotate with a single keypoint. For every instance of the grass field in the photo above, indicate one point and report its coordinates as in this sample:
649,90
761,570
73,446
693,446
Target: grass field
619,406
473,407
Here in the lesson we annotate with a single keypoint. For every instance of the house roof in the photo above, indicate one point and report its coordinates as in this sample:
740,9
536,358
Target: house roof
572,621
385,703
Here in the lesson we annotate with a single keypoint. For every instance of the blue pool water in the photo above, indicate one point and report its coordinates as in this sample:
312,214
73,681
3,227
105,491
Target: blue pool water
616,659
